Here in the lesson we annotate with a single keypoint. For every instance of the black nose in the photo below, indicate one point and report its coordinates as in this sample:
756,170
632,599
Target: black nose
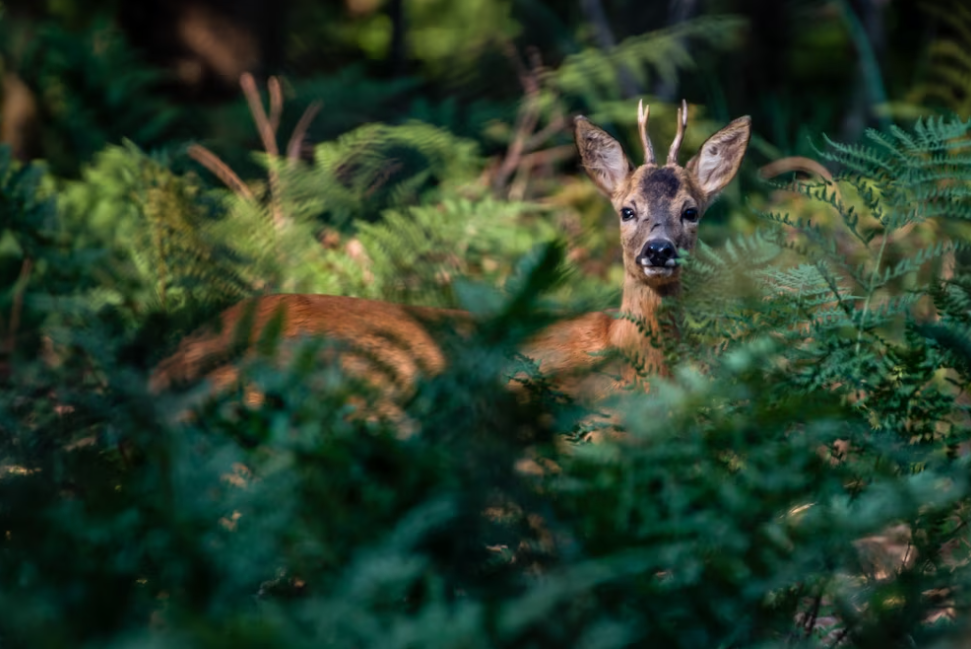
657,253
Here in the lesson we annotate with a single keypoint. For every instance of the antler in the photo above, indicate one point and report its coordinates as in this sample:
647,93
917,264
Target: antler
682,124
642,114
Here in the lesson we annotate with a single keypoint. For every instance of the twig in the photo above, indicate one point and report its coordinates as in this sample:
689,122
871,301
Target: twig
15,312
526,79
553,154
300,131
800,163
811,618
18,301
263,124
383,177
276,104
526,119
903,564
526,123
840,636
221,170
795,163
557,124
529,161
267,131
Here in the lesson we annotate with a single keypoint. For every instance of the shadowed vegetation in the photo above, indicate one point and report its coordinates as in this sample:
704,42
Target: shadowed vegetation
799,480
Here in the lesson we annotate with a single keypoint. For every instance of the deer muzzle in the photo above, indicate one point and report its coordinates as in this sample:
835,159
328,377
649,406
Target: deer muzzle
657,254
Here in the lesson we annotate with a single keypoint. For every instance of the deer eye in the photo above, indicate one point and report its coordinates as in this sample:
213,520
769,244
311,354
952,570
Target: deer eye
627,214
690,214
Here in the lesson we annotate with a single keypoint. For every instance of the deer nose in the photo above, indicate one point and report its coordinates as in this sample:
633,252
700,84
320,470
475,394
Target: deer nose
659,252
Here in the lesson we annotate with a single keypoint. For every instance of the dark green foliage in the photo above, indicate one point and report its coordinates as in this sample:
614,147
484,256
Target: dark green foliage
735,512
447,241
801,479
377,167
160,230
91,88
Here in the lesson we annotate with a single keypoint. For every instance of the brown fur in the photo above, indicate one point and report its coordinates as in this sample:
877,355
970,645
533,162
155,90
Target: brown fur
393,333
381,336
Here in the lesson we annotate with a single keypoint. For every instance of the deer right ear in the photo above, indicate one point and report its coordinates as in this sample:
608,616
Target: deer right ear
602,156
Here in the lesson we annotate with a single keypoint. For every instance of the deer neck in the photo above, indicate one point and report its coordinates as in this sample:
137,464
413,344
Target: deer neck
637,333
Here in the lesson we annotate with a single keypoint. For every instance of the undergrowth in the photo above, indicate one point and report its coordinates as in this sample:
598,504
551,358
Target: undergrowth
800,480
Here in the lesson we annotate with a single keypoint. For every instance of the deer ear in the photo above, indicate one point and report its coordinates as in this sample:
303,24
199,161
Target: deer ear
602,156
719,158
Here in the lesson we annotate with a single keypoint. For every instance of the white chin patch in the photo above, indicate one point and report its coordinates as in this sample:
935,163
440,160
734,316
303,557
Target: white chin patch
658,271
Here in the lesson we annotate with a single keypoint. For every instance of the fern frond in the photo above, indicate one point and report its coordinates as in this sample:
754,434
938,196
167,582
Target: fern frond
458,237
593,74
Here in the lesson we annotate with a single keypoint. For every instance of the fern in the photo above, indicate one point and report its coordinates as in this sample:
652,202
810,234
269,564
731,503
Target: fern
949,66
842,312
387,166
160,229
448,241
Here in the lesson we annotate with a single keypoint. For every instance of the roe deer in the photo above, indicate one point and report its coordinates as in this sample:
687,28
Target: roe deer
659,208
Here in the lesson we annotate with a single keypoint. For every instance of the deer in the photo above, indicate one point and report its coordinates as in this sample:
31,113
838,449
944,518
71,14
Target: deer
659,208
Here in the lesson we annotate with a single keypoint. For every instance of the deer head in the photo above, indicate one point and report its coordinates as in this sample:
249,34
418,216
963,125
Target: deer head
660,206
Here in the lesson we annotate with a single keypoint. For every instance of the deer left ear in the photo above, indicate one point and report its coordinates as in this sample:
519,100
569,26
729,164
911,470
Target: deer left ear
719,158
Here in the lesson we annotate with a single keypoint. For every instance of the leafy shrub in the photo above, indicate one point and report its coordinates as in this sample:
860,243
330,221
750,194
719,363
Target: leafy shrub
812,413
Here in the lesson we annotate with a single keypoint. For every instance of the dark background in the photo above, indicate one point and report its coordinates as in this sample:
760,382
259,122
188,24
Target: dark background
796,66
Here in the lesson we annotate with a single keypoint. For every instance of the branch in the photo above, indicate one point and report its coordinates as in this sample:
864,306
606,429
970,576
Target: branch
267,130
300,131
276,104
221,170
527,117
263,125
15,312
800,164
18,300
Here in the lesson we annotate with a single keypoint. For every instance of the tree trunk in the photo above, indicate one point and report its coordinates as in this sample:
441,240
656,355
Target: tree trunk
594,12
866,26
678,12
399,54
